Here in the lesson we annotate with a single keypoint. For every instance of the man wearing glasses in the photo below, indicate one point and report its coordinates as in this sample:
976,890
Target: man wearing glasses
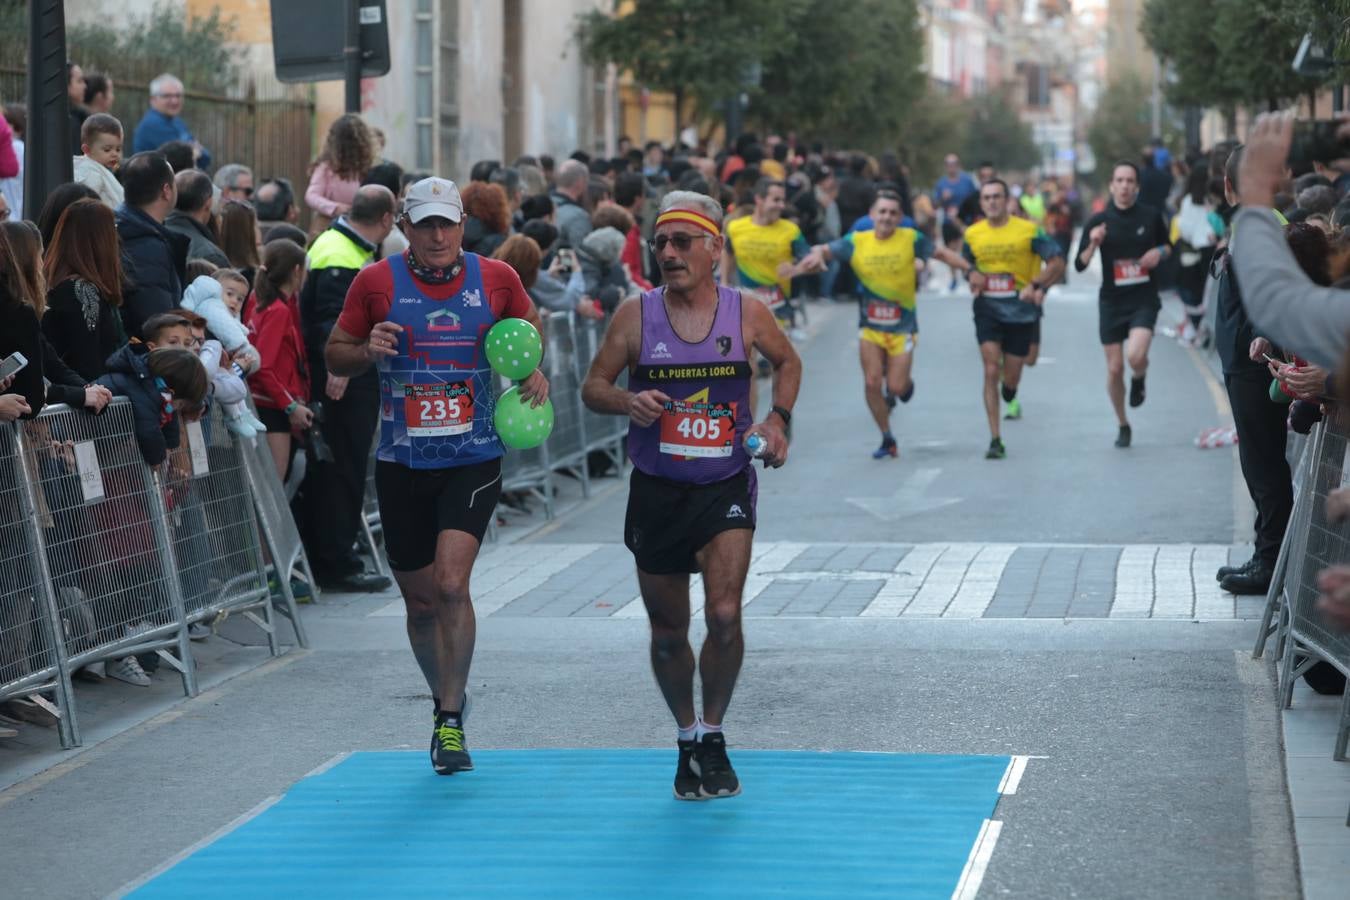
235,182
420,318
161,123
691,507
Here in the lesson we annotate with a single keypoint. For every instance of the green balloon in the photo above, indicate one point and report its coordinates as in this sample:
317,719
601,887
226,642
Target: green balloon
520,425
513,348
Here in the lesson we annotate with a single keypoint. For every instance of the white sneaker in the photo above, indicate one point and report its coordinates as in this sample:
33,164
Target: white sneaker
240,426
250,419
128,670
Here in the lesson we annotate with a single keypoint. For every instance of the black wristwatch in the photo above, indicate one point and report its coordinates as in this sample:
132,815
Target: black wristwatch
784,414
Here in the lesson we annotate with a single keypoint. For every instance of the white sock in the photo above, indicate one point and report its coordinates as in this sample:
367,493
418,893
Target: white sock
703,728
686,734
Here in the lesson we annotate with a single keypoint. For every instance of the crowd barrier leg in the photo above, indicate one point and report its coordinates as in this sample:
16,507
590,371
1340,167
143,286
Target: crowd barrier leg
184,662
68,729
279,533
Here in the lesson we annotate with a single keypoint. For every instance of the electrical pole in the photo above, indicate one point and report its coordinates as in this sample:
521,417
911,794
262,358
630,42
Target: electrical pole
351,54
48,106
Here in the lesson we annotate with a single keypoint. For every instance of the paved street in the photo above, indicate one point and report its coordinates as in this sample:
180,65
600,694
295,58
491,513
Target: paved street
1057,606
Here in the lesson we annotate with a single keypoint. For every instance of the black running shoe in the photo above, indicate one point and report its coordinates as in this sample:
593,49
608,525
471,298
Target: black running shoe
888,448
449,754
686,779
709,761
1136,392
996,449
1123,438
909,394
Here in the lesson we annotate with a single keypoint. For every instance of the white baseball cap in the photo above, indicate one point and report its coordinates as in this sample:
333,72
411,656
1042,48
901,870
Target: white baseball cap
433,197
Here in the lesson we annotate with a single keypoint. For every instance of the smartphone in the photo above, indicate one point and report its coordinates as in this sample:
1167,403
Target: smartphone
1317,141
12,365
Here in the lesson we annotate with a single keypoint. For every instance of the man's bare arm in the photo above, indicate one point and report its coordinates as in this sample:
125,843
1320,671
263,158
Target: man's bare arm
773,342
347,355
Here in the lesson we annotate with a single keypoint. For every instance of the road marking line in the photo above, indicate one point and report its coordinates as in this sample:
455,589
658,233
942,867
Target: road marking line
1017,766
968,887
900,588
981,582
944,580
1134,582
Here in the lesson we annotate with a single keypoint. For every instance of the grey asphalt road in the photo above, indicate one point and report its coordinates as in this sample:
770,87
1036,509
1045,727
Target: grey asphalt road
1162,773
1062,482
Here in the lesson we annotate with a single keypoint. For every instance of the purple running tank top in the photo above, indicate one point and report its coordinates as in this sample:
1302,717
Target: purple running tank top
697,440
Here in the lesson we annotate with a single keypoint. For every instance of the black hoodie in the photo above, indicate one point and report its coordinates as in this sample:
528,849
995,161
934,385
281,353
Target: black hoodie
129,376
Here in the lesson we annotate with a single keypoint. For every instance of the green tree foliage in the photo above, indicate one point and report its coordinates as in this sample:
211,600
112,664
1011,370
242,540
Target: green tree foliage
164,40
1121,126
704,51
1228,53
937,124
995,133
139,47
850,79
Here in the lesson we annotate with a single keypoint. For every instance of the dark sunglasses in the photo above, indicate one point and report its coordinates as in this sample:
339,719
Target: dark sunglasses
682,241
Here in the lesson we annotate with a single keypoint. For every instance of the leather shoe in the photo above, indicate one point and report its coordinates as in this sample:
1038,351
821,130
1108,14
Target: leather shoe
1255,580
356,583
1225,571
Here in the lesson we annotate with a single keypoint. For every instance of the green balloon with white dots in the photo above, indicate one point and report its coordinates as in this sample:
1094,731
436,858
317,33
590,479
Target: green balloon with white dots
520,425
513,348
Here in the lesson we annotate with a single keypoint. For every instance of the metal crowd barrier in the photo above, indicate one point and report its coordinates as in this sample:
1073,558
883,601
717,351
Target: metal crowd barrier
570,344
106,557
1311,544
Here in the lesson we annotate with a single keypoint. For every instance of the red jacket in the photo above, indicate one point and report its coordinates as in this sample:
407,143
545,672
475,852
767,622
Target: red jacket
632,258
282,377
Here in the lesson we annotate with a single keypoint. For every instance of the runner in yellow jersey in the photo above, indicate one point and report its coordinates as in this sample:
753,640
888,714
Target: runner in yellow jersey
1009,286
886,260
760,247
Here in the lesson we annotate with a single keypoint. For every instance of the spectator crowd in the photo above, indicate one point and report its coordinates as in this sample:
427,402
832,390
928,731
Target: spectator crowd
156,276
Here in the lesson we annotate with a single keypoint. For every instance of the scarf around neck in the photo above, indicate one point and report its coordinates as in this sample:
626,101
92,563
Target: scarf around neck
434,274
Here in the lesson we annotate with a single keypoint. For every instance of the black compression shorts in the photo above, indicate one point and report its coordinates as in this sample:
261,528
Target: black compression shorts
1115,320
1013,337
669,522
416,505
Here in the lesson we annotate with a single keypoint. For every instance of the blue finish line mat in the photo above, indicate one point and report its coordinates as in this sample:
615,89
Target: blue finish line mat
603,823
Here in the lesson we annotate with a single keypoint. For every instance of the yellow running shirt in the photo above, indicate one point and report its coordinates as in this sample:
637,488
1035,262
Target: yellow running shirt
886,277
760,249
1010,256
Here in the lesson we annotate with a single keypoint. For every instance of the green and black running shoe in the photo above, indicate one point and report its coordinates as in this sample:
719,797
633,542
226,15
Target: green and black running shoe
1013,410
996,449
449,754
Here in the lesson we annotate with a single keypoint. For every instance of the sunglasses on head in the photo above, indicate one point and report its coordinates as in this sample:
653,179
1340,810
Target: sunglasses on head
682,241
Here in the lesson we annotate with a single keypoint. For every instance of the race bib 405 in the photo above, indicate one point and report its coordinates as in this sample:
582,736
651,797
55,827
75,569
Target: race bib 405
706,430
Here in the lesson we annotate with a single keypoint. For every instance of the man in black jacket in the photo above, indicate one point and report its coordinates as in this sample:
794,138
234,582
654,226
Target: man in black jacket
335,481
154,259
191,217
1260,422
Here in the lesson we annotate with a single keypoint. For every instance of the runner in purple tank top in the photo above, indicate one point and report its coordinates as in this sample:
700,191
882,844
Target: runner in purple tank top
691,504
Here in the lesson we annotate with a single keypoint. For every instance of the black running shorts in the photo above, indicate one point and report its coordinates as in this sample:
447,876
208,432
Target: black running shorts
416,505
1015,338
1116,319
669,522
